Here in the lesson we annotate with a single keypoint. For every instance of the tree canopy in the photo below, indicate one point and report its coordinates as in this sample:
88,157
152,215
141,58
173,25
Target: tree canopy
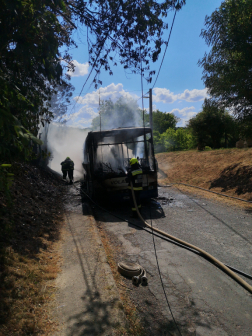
227,68
131,29
173,139
30,70
163,120
35,37
212,125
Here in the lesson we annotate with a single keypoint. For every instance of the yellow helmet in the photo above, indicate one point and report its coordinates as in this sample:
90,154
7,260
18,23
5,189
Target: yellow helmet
133,161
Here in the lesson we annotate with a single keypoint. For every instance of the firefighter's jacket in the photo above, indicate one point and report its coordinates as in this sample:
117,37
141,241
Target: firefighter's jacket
68,164
135,175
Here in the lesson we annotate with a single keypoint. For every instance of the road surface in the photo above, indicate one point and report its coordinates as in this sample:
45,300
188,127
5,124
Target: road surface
203,300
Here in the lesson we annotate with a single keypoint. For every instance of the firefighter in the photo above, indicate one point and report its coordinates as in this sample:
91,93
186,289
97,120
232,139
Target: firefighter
135,175
67,167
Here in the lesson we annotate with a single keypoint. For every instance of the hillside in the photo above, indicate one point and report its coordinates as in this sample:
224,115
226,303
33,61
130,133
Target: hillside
29,232
228,170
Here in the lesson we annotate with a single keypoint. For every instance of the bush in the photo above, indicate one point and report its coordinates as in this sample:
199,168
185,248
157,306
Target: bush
177,139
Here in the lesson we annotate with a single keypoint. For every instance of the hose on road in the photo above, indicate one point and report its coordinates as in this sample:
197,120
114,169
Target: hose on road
224,268
163,235
134,271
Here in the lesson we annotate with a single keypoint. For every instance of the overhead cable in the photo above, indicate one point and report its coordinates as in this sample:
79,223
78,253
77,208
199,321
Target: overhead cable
98,55
167,43
161,279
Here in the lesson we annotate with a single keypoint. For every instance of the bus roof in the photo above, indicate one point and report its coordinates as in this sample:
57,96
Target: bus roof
121,134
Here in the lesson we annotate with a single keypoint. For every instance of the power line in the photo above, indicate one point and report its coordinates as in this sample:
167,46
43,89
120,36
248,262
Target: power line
160,276
141,71
98,54
150,206
167,43
141,63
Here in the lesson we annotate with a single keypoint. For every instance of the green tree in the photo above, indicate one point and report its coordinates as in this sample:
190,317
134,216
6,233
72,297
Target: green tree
163,120
245,127
132,30
212,125
158,143
30,67
60,101
227,67
177,139
35,37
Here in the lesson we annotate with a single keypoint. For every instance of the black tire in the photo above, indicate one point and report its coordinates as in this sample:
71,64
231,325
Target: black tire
90,188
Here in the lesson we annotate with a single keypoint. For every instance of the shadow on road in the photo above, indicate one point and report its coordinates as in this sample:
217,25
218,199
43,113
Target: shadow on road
96,317
98,312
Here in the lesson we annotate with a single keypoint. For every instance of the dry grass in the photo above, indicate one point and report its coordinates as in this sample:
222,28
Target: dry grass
28,261
26,293
134,325
228,171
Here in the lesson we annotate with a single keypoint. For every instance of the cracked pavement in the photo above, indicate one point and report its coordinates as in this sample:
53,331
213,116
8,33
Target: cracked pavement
203,299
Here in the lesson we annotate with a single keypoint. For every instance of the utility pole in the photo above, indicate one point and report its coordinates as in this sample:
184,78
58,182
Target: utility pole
100,110
151,126
150,111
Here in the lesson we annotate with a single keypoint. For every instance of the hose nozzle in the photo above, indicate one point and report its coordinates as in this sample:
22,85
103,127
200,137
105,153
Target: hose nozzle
144,280
135,280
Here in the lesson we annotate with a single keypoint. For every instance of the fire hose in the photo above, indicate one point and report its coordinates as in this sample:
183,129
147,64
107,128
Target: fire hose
134,271
224,268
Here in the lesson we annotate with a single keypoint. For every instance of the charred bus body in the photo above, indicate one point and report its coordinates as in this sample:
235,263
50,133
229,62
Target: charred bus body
106,160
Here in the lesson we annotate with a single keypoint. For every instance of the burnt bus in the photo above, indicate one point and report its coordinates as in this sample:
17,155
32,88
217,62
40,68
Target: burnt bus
106,160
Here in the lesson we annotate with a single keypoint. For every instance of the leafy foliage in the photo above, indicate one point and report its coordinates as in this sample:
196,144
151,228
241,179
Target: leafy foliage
173,139
131,29
245,127
60,101
212,125
5,178
31,35
227,68
162,121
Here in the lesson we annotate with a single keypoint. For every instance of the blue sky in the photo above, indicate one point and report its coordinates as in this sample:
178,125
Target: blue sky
179,88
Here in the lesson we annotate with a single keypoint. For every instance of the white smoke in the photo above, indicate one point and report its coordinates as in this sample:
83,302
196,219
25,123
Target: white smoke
63,141
123,113
66,141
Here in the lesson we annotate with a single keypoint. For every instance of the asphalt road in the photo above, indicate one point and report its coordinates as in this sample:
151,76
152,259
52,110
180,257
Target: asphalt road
203,300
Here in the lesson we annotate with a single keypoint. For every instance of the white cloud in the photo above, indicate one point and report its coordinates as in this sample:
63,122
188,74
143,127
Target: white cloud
166,96
112,91
84,110
193,95
80,69
90,103
184,114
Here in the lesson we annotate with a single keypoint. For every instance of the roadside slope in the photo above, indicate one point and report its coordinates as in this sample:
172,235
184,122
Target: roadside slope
228,171
29,232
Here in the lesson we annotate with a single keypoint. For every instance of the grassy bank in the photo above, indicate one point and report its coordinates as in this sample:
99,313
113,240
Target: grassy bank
30,226
227,170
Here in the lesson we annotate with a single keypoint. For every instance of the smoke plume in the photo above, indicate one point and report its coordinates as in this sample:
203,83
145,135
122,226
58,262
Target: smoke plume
63,141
